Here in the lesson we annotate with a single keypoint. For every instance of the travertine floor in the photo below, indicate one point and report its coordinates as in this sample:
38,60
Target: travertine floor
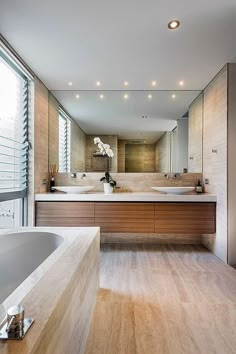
164,299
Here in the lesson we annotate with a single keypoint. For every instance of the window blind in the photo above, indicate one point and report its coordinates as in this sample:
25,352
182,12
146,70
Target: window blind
64,142
14,145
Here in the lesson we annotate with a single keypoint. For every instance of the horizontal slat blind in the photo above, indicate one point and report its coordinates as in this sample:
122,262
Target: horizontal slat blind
64,142
14,144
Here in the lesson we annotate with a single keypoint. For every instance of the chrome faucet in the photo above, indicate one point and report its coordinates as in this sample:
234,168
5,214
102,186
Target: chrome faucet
83,176
15,319
172,175
17,325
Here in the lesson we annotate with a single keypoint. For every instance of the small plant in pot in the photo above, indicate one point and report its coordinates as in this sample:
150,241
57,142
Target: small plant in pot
108,183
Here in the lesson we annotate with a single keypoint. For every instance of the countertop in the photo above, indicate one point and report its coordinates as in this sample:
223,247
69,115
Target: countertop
127,197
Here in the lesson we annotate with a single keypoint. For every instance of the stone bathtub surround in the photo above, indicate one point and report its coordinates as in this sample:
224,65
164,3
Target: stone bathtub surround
60,295
133,182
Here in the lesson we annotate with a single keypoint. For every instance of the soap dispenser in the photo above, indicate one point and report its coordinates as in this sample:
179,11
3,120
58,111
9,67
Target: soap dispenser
198,187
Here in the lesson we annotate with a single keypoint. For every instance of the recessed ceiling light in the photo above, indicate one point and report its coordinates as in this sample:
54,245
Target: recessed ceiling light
154,83
150,96
126,83
101,96
98,83
126,96
173,96
181,83
77,96
70,83
173,24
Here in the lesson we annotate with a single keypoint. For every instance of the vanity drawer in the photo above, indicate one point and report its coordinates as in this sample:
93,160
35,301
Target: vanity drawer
191,218
65,214
125,217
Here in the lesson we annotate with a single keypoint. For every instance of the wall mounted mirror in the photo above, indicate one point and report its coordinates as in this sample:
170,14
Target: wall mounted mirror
148,131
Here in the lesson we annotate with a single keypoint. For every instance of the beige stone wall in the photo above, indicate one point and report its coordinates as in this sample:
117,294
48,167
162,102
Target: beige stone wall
163,153
40,136
195,135
53,130
215,158
136,157
78,139
140,158
132,182
46,137
112,140
231,164
121,155
78,147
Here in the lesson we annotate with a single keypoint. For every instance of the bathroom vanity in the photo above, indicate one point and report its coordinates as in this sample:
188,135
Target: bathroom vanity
149,213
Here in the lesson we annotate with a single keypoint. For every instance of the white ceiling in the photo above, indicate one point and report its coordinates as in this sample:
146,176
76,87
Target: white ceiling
115,115
113,41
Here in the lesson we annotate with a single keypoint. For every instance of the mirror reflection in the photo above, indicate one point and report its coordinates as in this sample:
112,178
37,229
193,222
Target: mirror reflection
154,131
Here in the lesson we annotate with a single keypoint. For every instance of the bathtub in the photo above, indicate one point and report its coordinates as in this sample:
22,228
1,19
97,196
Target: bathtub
51,271
20,254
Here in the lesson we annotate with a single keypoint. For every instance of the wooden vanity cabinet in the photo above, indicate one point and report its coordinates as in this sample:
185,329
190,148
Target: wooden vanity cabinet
131,217
65,214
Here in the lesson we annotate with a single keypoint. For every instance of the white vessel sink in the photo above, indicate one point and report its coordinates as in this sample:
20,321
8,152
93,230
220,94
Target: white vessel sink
74,189
174,190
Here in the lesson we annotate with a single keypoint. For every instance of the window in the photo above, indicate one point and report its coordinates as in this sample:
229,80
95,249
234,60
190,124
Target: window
64,142
14,145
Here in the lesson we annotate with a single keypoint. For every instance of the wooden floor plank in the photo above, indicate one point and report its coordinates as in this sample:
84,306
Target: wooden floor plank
168,299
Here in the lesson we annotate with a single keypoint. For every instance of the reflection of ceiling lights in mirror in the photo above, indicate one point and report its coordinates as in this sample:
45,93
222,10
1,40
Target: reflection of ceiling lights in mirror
181,83
126,83
150,96
126,96
173,24
115,114
154,83
98,83
77,96
173,96
101,96
70,83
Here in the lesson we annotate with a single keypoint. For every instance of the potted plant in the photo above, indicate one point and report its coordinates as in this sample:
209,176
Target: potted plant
108,183
106,150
